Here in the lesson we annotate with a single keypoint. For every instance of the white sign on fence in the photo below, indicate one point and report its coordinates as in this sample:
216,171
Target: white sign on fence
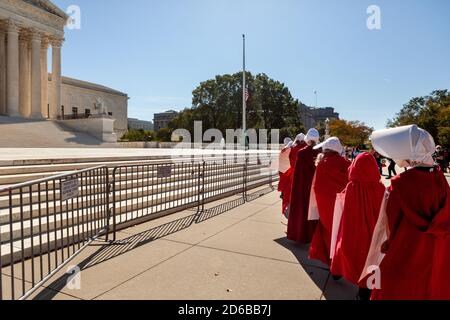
69,189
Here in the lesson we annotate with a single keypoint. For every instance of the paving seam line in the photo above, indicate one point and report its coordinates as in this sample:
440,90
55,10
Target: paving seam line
251,255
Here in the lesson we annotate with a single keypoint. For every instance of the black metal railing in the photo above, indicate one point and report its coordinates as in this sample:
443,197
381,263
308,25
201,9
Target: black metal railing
45,223
75,116
146,192
141,191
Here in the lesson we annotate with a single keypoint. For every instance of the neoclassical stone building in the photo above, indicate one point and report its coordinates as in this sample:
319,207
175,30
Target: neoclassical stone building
28,30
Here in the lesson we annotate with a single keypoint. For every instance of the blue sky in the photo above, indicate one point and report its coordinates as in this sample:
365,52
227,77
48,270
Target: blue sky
158,51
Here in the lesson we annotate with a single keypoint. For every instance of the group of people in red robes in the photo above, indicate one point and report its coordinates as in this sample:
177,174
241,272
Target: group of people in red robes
394,243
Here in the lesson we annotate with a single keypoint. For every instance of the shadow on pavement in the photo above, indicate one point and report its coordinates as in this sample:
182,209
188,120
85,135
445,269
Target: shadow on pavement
117,248
320,274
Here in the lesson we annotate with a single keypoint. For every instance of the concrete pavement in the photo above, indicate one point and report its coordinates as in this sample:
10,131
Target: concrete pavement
235,252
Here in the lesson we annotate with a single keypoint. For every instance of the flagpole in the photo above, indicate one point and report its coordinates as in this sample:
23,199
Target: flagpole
244,100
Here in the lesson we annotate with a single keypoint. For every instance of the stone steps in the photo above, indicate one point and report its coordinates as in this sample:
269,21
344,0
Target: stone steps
139,195
128,191
25,133
128,176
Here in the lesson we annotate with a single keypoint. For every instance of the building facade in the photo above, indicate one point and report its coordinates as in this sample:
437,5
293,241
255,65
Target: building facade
82,99
136,124
28,30
161,120
322,114
310,116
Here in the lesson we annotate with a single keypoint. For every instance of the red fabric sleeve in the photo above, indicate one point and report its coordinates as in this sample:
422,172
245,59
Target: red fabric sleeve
394,213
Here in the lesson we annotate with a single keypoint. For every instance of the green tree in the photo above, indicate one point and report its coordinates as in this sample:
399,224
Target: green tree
164,135
218,104
138,135
431,113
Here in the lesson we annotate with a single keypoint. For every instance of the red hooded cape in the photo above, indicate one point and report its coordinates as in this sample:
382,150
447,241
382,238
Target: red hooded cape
284,178
285,185
299,228
363,198
331,179
417,261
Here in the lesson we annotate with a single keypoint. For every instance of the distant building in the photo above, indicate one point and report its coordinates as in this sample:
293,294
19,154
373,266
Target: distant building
306,116
322,114
136,124
310,116
161,120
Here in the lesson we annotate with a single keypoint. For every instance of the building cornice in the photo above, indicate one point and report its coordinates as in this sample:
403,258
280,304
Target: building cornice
89,85
30,15
49,7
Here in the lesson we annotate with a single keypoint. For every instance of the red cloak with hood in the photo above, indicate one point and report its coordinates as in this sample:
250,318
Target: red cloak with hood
299,228
331,179
286,179
417,261
363,198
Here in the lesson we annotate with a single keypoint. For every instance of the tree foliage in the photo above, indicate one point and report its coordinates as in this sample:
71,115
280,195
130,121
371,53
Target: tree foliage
218,104
351,133
431,113
163,135
138,135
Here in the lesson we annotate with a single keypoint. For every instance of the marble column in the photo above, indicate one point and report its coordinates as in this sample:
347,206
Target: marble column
36,89
44,78
56,78
2,72
24,77
12,70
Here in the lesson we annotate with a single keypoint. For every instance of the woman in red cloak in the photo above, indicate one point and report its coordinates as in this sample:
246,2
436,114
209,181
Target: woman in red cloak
286,181
299,144
299,228
417,258
283,163
285,177
331,179
362,201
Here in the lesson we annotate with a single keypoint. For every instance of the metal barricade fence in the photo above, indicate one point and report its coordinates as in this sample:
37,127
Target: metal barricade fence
144,191
47,222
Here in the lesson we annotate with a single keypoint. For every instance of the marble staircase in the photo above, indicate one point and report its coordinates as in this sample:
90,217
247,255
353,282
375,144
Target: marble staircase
25,133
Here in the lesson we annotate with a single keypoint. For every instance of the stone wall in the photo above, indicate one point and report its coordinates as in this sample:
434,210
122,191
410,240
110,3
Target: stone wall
101,128
84,95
